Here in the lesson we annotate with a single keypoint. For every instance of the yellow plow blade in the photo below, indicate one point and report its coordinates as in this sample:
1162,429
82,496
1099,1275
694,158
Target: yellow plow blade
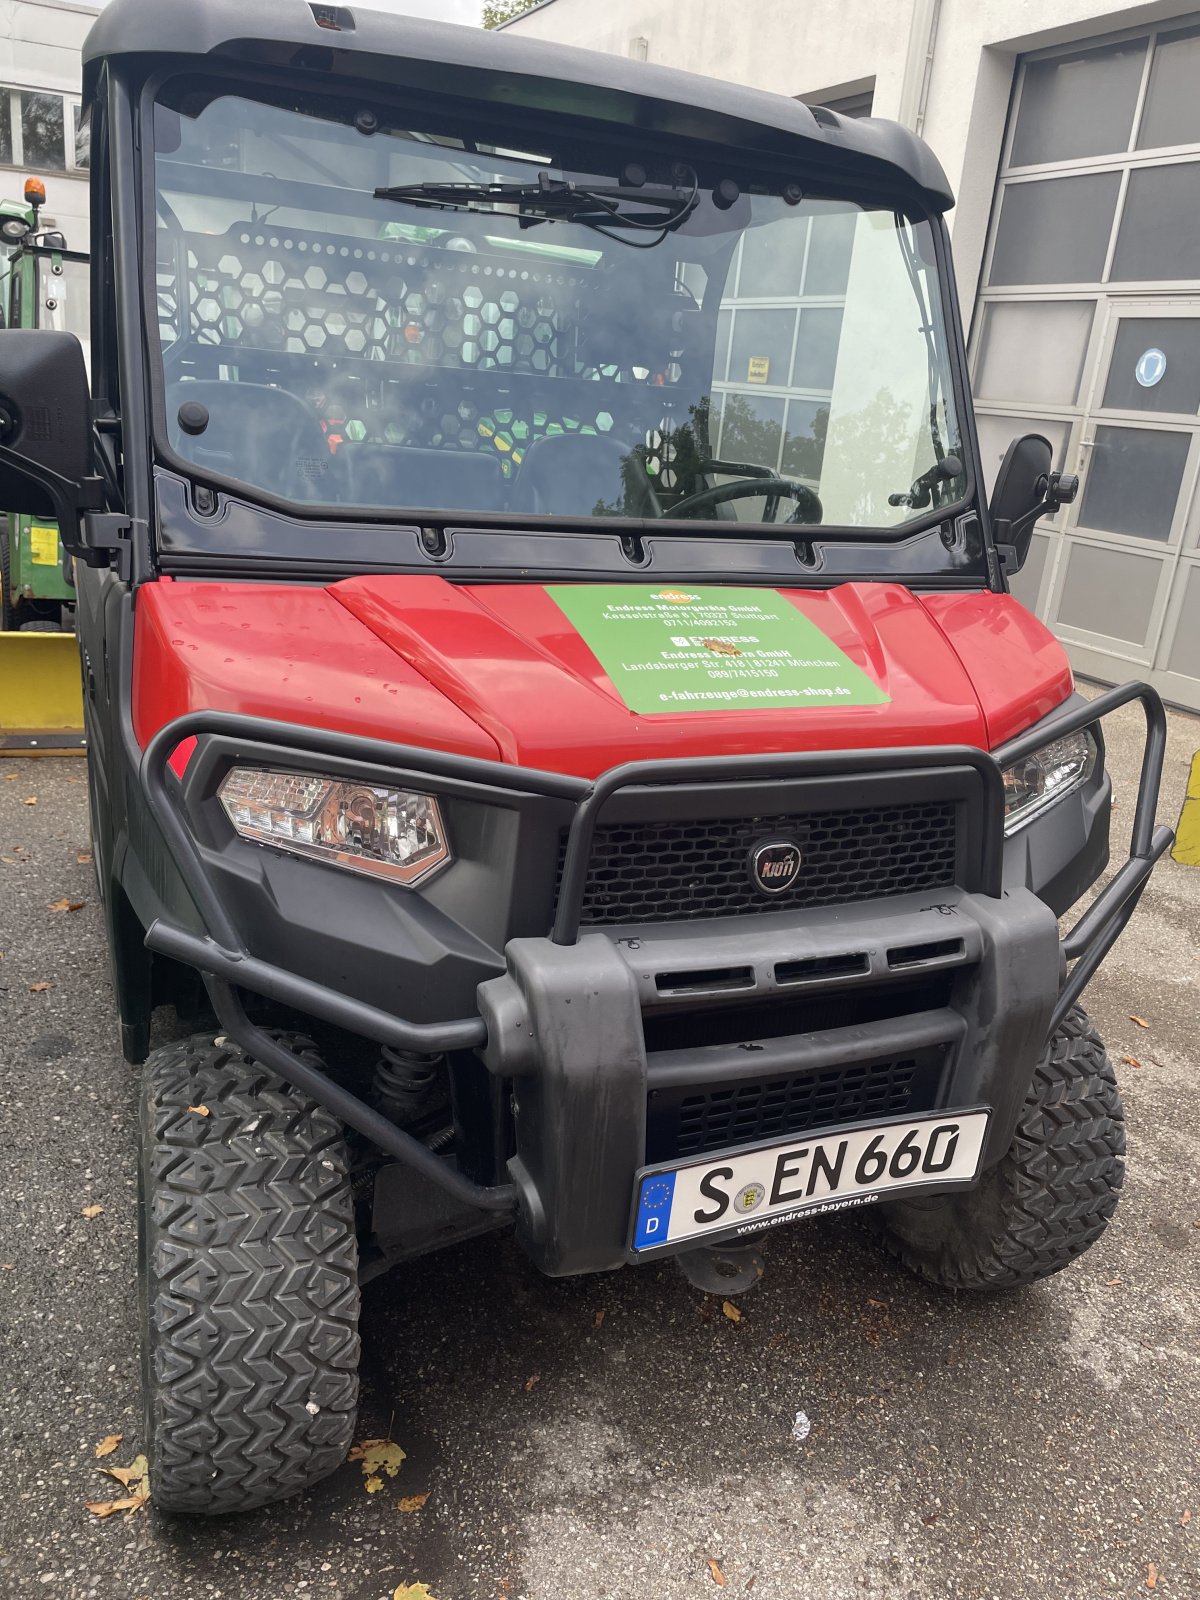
41,707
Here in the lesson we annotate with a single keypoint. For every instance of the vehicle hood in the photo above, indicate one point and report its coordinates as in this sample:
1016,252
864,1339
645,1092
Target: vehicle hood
498,671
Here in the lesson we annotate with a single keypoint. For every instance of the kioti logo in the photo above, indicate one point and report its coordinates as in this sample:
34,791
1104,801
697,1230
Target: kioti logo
676,596
775,865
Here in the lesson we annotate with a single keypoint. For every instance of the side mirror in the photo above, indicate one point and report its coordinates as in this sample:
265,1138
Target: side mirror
1026,488
45,427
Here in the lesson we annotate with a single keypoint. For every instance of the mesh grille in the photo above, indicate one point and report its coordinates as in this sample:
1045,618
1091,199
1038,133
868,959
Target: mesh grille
690,1121
673,871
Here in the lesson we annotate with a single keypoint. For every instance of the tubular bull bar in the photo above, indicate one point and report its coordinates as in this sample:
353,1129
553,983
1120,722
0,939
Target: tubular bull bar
220,954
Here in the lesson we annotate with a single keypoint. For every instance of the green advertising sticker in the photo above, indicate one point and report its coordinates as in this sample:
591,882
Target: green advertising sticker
711,649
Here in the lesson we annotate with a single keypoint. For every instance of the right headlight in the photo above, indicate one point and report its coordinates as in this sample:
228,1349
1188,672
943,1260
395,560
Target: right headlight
1043,777
385,833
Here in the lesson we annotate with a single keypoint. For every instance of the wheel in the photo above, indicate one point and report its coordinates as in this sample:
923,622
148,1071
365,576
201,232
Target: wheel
1051,1195
248,1268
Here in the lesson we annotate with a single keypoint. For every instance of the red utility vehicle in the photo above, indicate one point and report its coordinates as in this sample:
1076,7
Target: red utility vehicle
553,695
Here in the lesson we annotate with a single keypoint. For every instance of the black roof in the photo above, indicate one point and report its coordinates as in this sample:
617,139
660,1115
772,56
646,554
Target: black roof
510,70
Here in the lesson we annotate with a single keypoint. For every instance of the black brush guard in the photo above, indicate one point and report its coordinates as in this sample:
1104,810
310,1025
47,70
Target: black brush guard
220,954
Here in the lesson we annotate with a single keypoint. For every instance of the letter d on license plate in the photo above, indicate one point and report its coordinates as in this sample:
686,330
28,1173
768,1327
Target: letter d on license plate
745,1190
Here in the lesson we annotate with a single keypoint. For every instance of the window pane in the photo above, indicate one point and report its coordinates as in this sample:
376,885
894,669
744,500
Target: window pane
1132,481
752,429
829,248
1109,591
6,149
1172,114
1185,648
1078,105
997,433
83,139
1033,351
804,439
1055,231
42,131
1160,226
817,348
762,345
772,261
1178,388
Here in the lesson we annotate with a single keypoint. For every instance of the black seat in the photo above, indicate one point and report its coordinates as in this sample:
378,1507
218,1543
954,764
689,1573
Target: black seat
583,475
262,435
400,477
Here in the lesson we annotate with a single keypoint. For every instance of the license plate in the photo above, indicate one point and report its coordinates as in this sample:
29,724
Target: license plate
831,1171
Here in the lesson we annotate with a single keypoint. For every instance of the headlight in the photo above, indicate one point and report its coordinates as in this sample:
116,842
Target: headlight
1038,780
388,833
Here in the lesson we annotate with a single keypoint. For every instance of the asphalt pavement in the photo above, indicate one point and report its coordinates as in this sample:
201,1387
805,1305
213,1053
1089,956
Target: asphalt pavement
621,1436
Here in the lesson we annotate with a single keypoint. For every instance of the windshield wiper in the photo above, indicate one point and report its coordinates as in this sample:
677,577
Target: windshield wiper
660,209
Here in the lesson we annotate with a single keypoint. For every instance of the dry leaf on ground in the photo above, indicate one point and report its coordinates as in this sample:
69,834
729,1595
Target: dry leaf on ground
1141,1021
1152,1576
599,1319
91,1211
412,1591
731,1311
1131,1061
131,1475
84,857
532,1383
1185,1519
108,1444
412,1502
718,1577
200,1111
40,987
375,1457
68,905
31,801
105,1508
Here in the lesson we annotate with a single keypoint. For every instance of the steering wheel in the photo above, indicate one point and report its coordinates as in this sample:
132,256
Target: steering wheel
808,504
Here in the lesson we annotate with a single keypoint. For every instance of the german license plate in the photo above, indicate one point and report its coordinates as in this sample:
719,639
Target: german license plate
830,1171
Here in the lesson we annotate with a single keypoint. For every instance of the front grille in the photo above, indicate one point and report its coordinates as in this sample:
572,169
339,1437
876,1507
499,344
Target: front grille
688,1121
675,871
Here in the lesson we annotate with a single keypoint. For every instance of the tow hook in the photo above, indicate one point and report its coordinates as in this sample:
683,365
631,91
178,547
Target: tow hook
722,1268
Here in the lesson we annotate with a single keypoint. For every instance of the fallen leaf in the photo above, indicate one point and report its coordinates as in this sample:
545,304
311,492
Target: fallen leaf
67,905
1131,1061
1141,1021
412,1591
200,1111
1185,1519
532,1383
377,1456
731,1311
1152,1576
599,1319
40,987
91,1211
132,1474
83,857
1111,1283
718,1577
412,1502
108,1444
930,1518
879,1305
8,1266
32,801
105,1508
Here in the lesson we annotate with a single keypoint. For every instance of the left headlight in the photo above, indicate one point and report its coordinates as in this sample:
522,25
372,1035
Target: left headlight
1035,782
396,834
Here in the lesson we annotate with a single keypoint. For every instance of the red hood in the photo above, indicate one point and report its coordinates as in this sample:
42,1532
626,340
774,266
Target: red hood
498,671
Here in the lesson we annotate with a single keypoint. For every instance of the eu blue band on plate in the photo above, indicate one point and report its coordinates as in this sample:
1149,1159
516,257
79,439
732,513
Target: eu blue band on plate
654,1210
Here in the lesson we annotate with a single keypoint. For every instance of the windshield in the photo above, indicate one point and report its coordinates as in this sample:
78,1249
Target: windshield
397,319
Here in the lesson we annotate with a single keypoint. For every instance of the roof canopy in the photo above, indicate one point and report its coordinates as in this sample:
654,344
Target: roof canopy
510,71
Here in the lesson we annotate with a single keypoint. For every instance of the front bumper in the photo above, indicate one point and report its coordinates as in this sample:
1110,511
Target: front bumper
577,1029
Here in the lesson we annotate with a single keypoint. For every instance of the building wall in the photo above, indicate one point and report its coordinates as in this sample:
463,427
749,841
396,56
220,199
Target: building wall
40,43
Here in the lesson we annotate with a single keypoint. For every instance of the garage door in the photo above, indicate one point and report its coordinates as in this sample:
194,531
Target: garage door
1088,331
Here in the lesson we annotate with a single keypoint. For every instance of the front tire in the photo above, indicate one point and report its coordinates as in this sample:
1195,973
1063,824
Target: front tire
1051,1195
249,1286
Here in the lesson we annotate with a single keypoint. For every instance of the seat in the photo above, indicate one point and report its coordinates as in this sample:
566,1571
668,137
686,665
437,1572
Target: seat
262,435
583,475
399,477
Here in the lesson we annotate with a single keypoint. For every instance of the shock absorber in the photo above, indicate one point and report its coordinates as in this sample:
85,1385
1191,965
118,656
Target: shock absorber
407,1084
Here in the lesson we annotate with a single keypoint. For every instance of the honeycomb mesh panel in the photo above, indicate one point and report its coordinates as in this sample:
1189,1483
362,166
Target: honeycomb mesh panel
689,1121
675,871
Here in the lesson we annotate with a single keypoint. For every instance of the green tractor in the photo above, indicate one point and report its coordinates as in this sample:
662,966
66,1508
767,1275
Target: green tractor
42,285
